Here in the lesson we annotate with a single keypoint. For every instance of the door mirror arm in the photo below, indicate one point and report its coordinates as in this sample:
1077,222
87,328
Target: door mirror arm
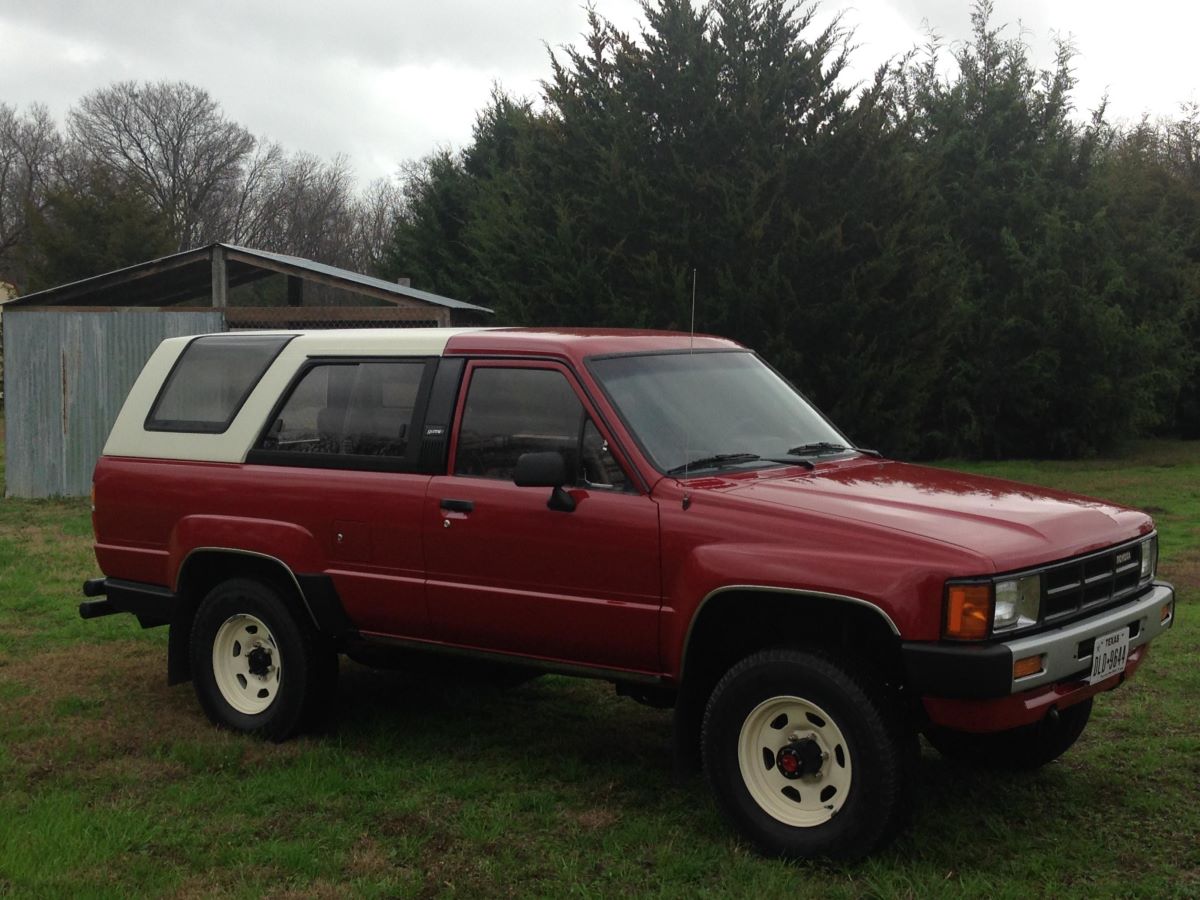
545,469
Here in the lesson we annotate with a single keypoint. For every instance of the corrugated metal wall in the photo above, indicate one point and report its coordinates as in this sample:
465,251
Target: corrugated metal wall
66,375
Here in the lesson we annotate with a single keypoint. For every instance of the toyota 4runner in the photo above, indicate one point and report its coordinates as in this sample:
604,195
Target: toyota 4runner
658,510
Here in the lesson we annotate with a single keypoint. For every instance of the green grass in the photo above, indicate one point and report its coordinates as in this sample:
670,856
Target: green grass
113,784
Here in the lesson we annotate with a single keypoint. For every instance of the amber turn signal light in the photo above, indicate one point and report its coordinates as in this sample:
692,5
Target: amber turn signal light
968,610
1030,665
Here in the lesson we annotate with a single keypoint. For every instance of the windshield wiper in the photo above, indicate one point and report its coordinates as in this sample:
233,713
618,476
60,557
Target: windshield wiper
717,459
817,447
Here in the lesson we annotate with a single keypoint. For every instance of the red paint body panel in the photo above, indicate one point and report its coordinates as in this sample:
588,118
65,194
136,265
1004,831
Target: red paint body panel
574,345
1013,525
515,576
377,567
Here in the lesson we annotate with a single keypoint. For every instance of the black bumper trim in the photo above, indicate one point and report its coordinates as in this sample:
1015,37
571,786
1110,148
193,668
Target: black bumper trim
958,672
152,604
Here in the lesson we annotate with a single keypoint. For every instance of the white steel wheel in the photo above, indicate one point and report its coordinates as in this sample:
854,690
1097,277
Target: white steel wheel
247,664
806,755
795,761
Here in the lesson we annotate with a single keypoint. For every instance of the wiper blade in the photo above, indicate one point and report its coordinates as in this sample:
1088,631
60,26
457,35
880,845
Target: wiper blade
717,459
817,447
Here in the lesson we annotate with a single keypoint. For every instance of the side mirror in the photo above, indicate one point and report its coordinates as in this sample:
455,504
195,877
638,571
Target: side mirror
545,469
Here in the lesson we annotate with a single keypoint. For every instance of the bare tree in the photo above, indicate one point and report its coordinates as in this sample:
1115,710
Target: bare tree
29,149
253,206
210,178
174,141
301,205
375,214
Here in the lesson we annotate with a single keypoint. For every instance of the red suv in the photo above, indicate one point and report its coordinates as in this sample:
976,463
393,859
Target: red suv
660,511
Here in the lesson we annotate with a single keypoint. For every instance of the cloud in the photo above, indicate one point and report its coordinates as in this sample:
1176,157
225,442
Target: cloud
383,81
379,81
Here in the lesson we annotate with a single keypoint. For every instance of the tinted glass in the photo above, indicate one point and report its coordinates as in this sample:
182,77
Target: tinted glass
211,380
688,406
513,411
353,410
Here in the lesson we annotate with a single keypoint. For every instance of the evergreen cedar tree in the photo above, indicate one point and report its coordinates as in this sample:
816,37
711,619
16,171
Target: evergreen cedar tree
955,265
947,265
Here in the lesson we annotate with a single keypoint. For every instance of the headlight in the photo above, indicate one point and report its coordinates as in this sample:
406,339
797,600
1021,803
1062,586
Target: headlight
1018,602
1149,558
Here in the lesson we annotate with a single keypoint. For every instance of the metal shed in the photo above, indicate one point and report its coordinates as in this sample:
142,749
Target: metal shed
71,353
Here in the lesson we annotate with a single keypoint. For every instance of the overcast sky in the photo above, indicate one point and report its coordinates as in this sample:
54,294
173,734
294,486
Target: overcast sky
382,81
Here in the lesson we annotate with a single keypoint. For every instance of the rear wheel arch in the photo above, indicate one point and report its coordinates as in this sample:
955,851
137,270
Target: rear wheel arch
206,567
259,666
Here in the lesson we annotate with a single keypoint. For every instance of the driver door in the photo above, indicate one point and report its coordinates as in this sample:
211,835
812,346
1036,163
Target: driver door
508,573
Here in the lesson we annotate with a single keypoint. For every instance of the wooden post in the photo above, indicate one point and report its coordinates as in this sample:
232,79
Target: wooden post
295,291
220,279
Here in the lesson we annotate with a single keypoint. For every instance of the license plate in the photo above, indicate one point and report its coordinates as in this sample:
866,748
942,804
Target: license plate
1109,655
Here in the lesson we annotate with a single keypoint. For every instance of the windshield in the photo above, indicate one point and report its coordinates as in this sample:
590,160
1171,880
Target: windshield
711,410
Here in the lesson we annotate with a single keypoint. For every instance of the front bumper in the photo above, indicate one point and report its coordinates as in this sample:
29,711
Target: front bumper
971,687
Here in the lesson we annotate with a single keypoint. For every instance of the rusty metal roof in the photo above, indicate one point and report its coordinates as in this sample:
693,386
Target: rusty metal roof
173,280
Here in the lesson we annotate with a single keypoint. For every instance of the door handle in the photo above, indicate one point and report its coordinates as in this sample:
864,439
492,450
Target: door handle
458,505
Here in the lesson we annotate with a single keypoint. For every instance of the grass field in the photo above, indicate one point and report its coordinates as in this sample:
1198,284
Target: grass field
113,784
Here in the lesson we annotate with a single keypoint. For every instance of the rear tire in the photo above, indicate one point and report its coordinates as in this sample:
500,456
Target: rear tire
1020,749
807,756
256,667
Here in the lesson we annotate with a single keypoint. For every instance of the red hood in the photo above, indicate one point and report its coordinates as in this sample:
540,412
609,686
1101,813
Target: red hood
1014,525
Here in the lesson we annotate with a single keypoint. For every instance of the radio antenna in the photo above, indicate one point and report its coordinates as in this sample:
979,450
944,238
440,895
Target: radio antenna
692,337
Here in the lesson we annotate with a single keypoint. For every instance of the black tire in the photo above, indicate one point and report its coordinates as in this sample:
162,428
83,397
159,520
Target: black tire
1020,749
869,752
290,673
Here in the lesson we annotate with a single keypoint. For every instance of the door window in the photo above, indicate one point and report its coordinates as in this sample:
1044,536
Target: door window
509,412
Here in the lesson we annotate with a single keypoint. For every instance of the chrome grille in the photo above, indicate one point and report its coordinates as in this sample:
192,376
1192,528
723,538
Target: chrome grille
1091,580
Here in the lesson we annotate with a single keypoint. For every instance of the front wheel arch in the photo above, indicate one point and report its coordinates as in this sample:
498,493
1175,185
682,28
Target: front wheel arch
732,623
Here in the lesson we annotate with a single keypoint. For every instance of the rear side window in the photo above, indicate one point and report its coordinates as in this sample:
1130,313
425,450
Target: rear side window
211,380
360,409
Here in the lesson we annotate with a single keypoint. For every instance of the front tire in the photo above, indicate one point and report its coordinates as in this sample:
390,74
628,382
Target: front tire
256,667
1022,749
806,756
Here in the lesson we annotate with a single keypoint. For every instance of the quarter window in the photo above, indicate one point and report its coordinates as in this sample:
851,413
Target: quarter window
211,380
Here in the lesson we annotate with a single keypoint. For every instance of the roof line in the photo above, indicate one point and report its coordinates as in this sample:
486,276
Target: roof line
292,265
